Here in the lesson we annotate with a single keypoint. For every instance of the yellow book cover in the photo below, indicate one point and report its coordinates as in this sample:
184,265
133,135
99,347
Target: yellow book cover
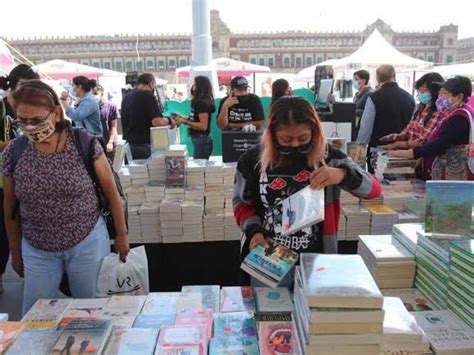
380,209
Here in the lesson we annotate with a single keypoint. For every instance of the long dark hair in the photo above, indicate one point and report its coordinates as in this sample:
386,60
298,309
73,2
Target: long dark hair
203,92
85,83
36,93
279,88
20,72
428,79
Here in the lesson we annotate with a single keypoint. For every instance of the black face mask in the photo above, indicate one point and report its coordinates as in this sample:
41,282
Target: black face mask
293,152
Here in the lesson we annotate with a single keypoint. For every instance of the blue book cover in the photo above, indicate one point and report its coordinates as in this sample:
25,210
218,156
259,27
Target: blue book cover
153,321
234,345
36,341
448,208
276,300
138,341
234,324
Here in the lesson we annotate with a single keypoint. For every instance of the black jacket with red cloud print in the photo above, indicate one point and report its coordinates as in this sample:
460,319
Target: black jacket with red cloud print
257,199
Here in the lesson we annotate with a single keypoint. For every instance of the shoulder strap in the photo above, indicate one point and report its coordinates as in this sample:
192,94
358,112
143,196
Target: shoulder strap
18,147
469,118
84,144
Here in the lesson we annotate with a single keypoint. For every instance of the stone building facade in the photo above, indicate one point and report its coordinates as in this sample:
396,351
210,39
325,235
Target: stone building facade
283,51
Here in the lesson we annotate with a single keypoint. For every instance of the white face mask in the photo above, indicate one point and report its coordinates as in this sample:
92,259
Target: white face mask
38,133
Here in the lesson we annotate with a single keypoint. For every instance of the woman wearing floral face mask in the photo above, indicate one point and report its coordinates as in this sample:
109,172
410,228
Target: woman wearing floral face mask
293,155
425,119
51,209
446,152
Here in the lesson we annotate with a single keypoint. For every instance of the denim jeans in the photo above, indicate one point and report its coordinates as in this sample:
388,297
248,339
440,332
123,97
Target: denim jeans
202,146
44,270
140,151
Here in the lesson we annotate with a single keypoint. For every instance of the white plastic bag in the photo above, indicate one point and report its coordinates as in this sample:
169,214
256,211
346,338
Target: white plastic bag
129,278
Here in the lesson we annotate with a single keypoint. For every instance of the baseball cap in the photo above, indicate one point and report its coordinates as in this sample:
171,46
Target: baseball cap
239,82
456,85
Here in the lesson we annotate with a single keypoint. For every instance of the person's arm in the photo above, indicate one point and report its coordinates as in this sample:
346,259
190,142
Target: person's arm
200,126
367,122
82,111
258,116
244,203
454,132
3,145
113,135
107,183
223,116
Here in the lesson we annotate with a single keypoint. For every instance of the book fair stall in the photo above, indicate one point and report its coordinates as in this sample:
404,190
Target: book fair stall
407,288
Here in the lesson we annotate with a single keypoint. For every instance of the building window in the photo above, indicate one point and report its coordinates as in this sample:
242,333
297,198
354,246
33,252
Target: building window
139,64
286,61
261,61
96,64
430,58
421,57
271,62
107,65
319,60
309,61
183,62
150,64
298,61
161,64
253,60
449,59
172,63
129,65
118,65
450,41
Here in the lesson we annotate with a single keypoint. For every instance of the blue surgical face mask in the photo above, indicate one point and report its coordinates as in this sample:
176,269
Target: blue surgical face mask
355,84
424,98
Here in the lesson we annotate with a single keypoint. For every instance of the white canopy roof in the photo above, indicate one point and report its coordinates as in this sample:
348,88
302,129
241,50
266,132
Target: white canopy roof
61,69
308,73
229,67
466,69
6,59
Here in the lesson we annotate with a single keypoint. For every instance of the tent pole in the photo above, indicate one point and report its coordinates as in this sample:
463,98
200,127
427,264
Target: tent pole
254,82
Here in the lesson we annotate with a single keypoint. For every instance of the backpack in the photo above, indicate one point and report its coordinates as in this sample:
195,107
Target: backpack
85,146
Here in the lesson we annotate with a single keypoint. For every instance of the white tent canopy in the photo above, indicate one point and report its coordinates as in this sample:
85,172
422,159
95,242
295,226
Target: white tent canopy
466,69
307,74
228,67
61,69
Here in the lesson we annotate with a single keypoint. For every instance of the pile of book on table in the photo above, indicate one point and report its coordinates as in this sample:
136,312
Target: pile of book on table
389,262
198,320
407,235
356,220
340,312
382,219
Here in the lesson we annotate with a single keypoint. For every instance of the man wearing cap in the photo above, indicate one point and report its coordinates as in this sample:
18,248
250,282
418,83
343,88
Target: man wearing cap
241,108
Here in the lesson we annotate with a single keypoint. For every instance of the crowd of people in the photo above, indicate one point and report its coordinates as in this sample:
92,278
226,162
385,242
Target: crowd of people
50,204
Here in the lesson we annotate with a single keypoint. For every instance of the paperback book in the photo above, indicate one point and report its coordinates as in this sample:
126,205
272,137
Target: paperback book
154,321
302,209
138,341
237,324
35,341
234,345
210,295
83,337
275,337
201,317
182,339
273,301
161,303
269,265
46,312
237,299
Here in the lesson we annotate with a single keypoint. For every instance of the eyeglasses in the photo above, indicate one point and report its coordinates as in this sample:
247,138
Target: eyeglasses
33,121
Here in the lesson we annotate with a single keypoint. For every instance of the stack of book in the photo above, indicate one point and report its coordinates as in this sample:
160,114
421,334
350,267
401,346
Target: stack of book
396,199
125,178
382,220
408,217
401,334
389,262
371,202
150,223
192,221
357,221
174,193
154,192
412,299
234,333
461,280
214,187
139,173
237,299
176,165
135,196
407,235
337,312
231,228
229,177
210,295
214,227
447,334
195,173
432,265
134,225
171,221
194,194
348,199
416,205
157,168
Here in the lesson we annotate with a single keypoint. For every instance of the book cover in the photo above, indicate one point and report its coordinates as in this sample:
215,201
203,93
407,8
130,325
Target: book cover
234,345
37,341
399,325
302,209
332,280
235,324
196,317
188,301
83,337
277,300
123,306
83,308
8,332
161,303
448,207
413,300
170,349
173,338
273,262
175,170
237,299
46,312
154,321
138,341
210,295
275,337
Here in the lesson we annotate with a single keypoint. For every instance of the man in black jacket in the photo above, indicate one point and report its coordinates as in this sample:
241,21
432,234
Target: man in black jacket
387,110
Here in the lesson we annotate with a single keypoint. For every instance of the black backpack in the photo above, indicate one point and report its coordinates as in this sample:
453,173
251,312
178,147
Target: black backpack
85,145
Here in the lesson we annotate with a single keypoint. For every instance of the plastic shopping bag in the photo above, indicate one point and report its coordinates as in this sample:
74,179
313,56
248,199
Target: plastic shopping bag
129,278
